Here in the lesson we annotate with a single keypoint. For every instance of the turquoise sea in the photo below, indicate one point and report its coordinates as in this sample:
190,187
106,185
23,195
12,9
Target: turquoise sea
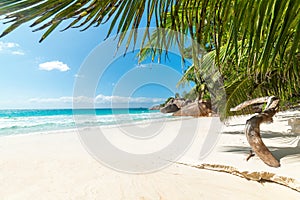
32,121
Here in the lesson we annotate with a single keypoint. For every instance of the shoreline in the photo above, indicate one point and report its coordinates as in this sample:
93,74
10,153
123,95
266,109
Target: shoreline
169,118
56,165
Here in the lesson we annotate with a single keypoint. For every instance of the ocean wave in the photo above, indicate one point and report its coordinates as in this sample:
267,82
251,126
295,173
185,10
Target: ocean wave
21,124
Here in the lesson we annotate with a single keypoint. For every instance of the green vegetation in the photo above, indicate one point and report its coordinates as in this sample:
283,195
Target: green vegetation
192,94
168,99
254,44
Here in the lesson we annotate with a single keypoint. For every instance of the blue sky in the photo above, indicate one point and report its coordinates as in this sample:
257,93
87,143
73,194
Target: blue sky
42,75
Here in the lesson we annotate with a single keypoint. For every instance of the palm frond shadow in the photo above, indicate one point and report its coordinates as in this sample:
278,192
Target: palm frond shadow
233,132
264,134
287,151
278,152
233,125
273,134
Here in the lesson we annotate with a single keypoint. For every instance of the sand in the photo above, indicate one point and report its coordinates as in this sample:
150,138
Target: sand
57,166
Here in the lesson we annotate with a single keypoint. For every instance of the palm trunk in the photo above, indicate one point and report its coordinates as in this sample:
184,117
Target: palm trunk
252,129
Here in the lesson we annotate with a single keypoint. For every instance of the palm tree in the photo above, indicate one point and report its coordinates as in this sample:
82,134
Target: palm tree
266,32
191,75
255,44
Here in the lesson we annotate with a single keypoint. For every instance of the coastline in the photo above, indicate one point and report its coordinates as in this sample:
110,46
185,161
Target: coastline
56,165
28,121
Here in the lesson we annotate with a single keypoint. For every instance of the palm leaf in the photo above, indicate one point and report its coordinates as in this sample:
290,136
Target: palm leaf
253,42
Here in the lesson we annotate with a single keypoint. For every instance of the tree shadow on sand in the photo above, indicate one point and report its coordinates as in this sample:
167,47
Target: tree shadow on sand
282,152
264,134
278,152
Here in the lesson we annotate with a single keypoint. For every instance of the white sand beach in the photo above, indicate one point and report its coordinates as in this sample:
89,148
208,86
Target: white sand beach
57,166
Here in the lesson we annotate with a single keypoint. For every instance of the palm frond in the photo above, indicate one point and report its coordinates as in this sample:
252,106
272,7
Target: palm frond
254,44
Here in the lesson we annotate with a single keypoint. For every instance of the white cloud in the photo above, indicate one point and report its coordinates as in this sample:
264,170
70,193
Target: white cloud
11,48
49,66
52,100
21,53
146,100
107,99
119,99
83,99
100,99
143,65
78,76
8,45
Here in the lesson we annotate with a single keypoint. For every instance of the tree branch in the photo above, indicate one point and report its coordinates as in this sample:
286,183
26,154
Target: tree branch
250,102
252,129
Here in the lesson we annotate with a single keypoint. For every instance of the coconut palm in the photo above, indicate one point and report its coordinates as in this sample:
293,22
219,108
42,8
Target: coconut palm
190,75
245,75
255,44
259,38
